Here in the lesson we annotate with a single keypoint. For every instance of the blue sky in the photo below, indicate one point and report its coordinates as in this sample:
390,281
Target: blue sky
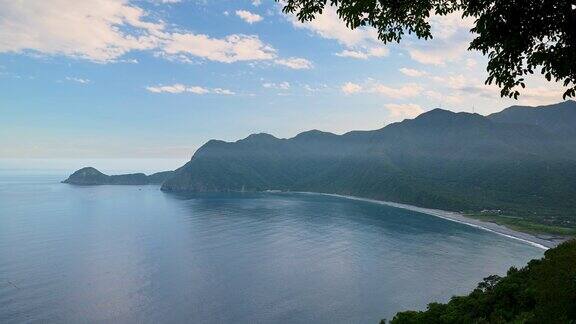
157,79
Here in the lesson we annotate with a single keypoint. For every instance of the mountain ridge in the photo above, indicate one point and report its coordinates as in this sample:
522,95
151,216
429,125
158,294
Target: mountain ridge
89,176
440,159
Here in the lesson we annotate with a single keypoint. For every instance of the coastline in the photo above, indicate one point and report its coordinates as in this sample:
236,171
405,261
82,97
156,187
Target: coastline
544,243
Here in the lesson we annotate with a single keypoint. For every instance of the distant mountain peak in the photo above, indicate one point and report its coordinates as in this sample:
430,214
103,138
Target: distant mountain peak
260,136
560,105
440,117
91,176
569,102
88,171
438,113
558,118
314,133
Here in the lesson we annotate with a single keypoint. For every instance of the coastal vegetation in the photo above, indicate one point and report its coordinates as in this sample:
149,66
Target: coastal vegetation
542,292
523,225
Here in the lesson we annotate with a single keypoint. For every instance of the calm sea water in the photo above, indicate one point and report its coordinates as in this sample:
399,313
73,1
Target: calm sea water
135,254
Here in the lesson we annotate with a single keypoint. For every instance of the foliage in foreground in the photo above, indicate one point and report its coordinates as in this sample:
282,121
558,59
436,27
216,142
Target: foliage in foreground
542,292
518,36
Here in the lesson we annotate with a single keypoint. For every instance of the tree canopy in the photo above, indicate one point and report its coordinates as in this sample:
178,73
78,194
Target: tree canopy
519,37
542,292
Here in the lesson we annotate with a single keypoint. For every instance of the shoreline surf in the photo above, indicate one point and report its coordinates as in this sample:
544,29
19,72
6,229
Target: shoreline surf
542,243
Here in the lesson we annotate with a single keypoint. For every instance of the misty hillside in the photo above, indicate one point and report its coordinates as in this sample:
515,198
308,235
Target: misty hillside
521,160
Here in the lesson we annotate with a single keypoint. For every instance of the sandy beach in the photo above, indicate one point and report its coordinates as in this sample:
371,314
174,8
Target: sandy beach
543,241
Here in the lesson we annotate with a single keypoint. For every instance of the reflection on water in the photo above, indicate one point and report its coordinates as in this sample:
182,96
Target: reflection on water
135,254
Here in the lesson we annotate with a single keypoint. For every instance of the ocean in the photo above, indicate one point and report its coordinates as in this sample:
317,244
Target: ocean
134,254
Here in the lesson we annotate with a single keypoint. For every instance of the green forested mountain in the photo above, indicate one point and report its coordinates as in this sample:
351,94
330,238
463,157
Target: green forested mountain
558,118
542,292
91,176
521,161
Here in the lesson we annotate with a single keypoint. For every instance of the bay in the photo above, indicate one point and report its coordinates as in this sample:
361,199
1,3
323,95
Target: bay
135,254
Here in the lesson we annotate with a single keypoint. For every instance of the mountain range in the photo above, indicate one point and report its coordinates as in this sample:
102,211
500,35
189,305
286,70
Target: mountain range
521,161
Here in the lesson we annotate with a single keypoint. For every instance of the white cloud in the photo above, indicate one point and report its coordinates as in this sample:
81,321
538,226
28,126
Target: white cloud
408,90
364,54
435,54
328,25
359,43
98,30
79,80
197,90
230,49
248,17
350,88
175,88
403,111
433,94
317,88
405,91
441,98
461,88
541,95
451,39
451,25
412,72
256,3
103,31
455,81
295,63
471,63
279,86
531,95
181,88
378,52
353,54
223,91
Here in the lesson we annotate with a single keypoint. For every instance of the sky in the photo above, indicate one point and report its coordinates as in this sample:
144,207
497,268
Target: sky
110,79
